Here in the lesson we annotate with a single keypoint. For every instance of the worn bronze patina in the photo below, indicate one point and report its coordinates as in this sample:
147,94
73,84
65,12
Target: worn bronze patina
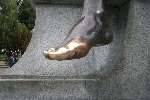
90,30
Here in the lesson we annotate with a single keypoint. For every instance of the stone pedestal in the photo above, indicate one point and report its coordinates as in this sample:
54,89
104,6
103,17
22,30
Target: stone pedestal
118,71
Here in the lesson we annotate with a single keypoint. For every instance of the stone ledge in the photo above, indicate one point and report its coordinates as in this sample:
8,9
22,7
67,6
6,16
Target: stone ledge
110,2
47,80
25,89
58,1
48,90
49,77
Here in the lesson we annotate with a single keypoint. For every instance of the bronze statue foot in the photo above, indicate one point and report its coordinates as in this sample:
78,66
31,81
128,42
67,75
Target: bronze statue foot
80,40
90,30
74,49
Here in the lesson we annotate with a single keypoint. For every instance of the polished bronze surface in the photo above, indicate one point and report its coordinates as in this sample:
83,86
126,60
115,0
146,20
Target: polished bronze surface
92,29
75,48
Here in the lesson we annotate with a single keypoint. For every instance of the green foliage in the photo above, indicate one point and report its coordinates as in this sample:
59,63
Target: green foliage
15,24
26,15
8,19
3,57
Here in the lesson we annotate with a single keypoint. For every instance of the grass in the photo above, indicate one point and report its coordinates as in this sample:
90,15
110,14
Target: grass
3,57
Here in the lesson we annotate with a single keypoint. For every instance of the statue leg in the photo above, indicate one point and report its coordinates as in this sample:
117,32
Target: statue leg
90,30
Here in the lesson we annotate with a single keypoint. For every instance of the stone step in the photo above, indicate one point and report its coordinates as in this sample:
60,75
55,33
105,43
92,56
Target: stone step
3,63
5,66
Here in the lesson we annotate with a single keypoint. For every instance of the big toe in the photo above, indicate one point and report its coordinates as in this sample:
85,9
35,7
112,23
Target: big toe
46,53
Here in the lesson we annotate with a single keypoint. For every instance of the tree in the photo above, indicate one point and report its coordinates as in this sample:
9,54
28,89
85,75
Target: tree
26,14
15,30
8,19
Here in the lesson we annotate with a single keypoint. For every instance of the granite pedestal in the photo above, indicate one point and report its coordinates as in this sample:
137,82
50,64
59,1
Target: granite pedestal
118,71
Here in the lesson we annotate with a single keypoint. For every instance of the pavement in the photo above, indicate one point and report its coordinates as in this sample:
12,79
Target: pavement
3,67
2,70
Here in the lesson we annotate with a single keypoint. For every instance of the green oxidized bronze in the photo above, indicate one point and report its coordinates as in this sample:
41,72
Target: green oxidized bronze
92,29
